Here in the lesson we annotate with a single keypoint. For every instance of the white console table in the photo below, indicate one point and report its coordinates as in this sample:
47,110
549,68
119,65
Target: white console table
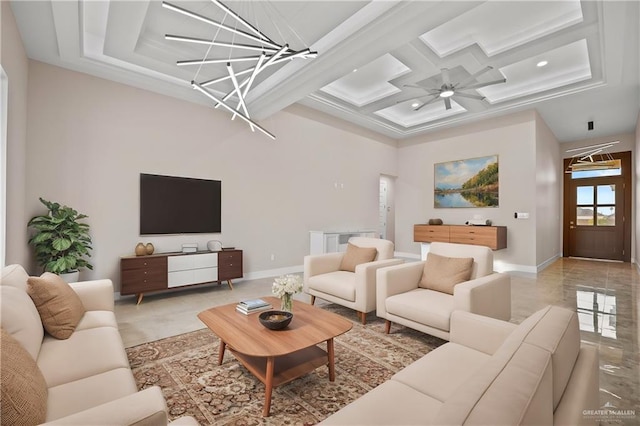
334,241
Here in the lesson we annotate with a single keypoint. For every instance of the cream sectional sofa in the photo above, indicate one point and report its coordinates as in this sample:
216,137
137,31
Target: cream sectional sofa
491,372
88,378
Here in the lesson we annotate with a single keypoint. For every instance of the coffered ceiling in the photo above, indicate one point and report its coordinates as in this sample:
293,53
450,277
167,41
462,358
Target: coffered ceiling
380,63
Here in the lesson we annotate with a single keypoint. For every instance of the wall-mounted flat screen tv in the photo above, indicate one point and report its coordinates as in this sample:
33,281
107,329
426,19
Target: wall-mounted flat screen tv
179,205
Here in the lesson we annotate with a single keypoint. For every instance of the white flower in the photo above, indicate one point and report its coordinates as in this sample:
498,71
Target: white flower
287,284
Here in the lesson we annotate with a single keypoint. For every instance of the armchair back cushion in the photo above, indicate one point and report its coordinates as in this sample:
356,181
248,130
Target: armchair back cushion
20,318
356,255
59,306
442,273
482,256
24,390
385,248
14,276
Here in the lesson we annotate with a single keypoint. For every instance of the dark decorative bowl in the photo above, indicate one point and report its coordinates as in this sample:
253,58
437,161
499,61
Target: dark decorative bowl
275,320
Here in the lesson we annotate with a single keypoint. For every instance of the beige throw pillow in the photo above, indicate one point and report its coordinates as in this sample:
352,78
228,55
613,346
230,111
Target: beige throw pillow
356,255
23,388
442,273
59,306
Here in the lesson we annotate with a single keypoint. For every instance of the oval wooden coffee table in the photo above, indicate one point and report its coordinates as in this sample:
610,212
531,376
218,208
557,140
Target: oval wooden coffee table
277,357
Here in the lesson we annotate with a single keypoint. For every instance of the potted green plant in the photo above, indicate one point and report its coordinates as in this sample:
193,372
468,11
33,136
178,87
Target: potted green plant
61,241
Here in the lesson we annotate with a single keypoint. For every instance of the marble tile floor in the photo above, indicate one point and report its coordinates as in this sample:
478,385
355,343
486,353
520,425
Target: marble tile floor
606,295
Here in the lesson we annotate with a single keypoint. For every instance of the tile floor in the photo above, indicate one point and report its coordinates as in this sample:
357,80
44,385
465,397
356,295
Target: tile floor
605,294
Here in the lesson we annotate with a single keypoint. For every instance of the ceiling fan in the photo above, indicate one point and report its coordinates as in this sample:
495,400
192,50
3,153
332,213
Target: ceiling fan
448,89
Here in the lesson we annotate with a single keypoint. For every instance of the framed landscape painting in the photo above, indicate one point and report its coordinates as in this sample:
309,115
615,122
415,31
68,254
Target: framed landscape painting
466,183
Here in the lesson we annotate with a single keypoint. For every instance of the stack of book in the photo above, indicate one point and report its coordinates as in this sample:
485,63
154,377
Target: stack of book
254,305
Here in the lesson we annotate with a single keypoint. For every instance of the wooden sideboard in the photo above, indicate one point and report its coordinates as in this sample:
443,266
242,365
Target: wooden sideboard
494,237
163,271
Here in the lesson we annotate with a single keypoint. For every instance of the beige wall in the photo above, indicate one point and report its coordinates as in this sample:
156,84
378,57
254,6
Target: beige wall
89,139
15,64
513,139
549,178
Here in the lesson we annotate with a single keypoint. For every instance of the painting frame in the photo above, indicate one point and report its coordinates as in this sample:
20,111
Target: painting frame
468,183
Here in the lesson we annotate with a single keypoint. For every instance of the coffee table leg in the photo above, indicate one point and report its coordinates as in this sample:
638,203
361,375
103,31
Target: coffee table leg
268,386
332,370
223,346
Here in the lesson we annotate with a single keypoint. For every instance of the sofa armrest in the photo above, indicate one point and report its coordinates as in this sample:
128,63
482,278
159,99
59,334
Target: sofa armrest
489,296
366,283
395,280
96,295
478,332
144,408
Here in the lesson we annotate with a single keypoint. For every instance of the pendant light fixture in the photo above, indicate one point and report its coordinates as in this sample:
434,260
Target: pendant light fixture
271,53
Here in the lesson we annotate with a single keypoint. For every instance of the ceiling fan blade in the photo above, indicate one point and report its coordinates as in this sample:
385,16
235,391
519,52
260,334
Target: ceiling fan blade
446,80
466,95
415,98
479,85
430,101
473,77
447,103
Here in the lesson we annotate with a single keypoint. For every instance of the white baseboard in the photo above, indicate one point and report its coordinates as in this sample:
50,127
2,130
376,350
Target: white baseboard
273,272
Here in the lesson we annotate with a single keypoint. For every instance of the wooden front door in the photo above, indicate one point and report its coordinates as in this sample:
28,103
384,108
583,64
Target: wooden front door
597,212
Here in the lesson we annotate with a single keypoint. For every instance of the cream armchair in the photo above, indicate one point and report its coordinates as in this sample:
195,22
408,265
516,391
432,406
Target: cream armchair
401,298
324,278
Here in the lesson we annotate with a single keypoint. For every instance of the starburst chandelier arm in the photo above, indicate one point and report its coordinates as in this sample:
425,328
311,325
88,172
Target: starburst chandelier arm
242,21
241,103
219,43
480,85
209,21
205,92
246,83
216,61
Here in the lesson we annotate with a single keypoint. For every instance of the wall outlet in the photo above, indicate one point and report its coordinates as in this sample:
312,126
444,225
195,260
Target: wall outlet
521,215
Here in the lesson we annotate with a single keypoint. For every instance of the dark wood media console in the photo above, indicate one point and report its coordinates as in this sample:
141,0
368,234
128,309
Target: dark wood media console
164,271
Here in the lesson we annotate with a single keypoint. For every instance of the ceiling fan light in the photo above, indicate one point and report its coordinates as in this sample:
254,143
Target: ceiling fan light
415,105
542,64
446,93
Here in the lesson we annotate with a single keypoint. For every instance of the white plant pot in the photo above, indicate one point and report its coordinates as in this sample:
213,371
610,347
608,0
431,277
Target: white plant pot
71,277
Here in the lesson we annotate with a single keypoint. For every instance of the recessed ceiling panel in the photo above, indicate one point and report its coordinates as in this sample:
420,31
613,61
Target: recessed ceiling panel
565,65
368,83
404,115
497,26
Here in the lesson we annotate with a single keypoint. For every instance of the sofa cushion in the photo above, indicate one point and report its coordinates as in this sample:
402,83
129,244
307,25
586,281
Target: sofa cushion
391,403
59,306
72,397
355,255
14,276
23,388
90,352
20,318
442,273
443,370
94,319
559,333
422,306
341,284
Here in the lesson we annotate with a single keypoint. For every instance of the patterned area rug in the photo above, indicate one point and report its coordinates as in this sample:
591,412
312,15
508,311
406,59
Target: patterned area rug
193,383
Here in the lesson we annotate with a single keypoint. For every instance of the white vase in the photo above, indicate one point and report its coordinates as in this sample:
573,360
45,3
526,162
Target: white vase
70,277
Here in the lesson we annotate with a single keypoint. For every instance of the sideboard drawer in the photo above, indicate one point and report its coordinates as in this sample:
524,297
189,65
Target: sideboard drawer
431,233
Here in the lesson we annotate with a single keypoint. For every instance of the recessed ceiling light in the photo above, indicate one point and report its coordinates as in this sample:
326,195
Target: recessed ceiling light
542,64
355,69
415,105
446,93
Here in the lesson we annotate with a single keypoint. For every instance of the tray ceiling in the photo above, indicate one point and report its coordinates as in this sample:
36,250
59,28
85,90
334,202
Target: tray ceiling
371,56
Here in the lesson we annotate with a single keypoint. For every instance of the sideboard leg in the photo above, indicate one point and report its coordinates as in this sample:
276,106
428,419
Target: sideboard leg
140,296
230,284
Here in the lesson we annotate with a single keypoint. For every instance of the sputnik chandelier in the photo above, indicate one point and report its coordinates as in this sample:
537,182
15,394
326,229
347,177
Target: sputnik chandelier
271,53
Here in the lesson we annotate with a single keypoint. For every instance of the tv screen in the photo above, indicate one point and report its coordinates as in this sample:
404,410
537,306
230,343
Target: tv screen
179,205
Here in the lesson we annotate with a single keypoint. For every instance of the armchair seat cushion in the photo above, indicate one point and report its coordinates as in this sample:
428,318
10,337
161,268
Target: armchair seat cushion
341,284
423,306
